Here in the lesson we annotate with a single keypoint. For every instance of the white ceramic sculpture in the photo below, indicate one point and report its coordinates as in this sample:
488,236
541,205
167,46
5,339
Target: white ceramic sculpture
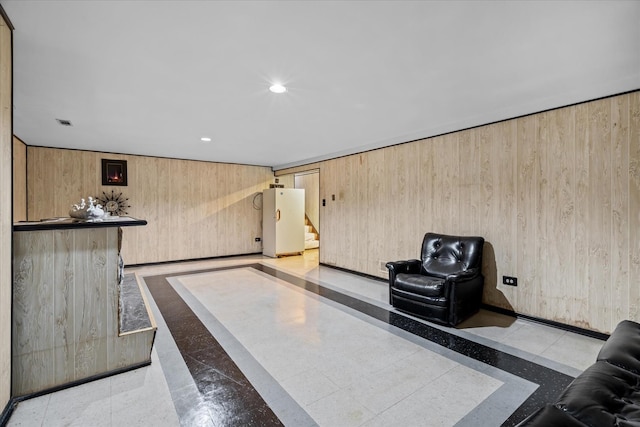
90,211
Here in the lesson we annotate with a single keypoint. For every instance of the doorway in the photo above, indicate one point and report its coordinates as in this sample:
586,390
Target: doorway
310,182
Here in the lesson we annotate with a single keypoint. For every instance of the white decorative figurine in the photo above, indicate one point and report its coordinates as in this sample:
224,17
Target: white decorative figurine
91,211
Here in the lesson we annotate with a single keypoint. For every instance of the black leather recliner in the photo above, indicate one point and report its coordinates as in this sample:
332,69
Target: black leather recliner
445,285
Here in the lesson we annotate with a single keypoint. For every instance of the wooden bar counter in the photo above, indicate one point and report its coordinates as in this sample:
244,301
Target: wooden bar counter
66,280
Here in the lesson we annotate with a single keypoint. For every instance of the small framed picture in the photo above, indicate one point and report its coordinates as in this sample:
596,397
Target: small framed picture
114,172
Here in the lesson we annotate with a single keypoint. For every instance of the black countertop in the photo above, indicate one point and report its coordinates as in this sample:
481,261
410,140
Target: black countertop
73,223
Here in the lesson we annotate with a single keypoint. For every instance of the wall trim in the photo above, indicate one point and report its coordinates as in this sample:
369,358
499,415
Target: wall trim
357,273
7,411
563,326
141,155
11,404
175,261
4,15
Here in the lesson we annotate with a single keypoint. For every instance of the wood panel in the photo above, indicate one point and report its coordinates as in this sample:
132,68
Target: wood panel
620,113
633,293
194,209
528,161
327,233
341,210
289,180
424,219
484,137
469,152
5,211
501,215
361,226
60,269
19,180
374,213
581,316
599,221
556,196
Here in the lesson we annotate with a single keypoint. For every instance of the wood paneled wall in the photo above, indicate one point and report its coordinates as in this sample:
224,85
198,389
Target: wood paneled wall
19,180
5,212
194,209
287,180
556,196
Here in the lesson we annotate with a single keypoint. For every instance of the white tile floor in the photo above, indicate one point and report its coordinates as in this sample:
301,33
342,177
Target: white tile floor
349,372
341,374
136,398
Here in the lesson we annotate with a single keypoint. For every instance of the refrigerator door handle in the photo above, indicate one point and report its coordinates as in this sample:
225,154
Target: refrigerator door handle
277,215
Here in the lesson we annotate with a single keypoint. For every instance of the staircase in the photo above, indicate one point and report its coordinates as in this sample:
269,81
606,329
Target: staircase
311,237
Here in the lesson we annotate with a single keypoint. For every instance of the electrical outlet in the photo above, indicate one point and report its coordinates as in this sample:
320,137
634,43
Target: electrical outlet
383,266
257,239
508,280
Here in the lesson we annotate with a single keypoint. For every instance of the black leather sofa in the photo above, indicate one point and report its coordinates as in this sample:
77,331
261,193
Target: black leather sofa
605,394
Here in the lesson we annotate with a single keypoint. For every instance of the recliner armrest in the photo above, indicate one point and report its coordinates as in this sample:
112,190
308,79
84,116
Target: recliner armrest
411,266
464,292
463,275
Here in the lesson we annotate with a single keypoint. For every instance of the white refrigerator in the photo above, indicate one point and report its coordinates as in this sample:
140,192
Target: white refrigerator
282,221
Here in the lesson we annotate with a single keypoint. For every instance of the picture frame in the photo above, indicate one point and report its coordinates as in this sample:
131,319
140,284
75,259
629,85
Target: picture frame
114,172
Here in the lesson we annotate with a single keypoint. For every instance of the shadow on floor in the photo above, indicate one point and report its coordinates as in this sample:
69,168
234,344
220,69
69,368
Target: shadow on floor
485,318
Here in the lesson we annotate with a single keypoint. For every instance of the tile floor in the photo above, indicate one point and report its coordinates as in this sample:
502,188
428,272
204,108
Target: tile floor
320,347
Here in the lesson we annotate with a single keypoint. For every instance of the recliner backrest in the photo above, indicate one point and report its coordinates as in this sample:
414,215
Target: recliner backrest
443,255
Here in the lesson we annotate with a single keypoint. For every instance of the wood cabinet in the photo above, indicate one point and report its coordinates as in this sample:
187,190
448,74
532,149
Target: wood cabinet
66,306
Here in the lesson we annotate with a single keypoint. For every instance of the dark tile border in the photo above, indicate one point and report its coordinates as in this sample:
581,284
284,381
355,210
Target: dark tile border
228,396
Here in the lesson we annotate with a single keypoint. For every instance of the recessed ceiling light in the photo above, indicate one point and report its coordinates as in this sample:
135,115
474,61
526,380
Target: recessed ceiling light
278,88
205,139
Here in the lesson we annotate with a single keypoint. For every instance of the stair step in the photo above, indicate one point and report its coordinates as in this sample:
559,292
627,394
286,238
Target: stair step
311,244
311,237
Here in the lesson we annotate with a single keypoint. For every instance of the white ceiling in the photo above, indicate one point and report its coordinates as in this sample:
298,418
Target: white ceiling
152,77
